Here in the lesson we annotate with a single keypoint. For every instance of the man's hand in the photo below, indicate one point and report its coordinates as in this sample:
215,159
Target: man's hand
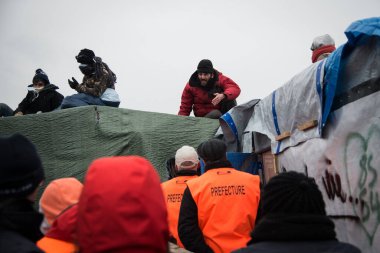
218,98
19,114
74,83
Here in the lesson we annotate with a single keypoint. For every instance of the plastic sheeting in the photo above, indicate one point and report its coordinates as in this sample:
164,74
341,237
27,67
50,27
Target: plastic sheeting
69,140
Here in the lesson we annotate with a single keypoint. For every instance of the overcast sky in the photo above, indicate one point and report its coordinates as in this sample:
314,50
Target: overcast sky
153,46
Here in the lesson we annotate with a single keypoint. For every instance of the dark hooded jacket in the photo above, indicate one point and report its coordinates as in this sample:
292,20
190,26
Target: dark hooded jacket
296,233
122,208
45,100
198,98
19,226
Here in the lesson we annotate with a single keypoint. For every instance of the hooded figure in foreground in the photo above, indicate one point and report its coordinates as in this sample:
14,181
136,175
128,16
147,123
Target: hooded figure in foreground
294,219
122,208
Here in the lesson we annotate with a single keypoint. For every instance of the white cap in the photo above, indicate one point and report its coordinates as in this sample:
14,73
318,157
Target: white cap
186,154
321,41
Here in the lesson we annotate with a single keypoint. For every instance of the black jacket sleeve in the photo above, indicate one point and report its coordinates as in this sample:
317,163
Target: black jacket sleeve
24,104
188,230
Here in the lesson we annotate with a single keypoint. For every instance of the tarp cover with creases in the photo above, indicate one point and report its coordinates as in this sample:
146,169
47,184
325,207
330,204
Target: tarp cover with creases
69,140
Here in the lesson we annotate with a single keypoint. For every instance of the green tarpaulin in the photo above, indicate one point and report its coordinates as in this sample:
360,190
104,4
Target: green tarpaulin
68,140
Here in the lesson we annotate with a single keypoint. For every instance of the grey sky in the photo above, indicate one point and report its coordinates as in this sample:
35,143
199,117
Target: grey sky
153,46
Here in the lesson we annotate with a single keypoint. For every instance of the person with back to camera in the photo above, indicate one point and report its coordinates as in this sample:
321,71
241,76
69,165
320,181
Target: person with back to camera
21,174
294,219
208,93
42,96
122,208
59,196
218,209
98,85
186,163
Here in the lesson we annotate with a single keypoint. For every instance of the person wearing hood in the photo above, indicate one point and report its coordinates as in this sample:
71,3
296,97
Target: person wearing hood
322,47
218,208
122,208
186,165
208,93
42,96
21,174
293,219
98,84
59,196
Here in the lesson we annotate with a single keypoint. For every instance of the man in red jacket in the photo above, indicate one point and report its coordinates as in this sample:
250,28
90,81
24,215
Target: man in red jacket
208,93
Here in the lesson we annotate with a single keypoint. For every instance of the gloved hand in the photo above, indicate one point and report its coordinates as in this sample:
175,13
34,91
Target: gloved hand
74,83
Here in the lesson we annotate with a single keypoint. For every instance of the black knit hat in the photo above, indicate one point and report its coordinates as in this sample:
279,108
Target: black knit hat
41,76
292,193
86,56
205,66
20,168
212,150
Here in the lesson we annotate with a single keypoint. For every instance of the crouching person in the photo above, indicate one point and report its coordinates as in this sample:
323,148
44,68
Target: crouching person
219,208
98,85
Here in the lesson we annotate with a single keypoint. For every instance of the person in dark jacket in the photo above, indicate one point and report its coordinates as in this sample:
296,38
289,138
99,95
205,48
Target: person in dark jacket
294,219
21,174
98,85
42,96
208,93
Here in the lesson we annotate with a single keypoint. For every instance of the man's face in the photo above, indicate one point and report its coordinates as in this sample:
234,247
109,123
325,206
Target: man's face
205,77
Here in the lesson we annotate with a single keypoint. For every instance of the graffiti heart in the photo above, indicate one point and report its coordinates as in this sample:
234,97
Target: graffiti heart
362,165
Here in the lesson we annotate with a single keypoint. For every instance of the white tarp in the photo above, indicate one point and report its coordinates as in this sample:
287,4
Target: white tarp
346,167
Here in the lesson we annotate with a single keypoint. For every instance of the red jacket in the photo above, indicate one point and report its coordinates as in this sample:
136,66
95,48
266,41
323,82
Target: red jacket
122,208
61,237
198,98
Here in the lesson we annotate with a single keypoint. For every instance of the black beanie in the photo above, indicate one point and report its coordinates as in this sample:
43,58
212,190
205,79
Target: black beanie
20,168
212,150
205,66
41,76
86,56
292,193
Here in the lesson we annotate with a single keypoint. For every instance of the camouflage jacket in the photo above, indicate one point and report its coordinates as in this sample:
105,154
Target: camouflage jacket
96,86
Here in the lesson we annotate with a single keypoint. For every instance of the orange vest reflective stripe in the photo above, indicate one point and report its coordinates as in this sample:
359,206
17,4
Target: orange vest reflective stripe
173,192
51,245
227,201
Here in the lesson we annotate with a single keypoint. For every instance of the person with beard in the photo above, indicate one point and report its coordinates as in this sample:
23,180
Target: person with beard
293,219
42,96
21,174
98,85
208,93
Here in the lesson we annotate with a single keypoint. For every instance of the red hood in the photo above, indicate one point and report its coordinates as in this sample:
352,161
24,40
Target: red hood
64,226
122,208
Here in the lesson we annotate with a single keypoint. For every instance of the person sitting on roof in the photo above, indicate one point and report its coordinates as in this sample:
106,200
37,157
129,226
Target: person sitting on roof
208,93
322,47
98,85
42,96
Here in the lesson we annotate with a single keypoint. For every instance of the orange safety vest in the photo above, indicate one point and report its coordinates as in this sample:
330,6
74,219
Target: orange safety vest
51,245
227,201
173,192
